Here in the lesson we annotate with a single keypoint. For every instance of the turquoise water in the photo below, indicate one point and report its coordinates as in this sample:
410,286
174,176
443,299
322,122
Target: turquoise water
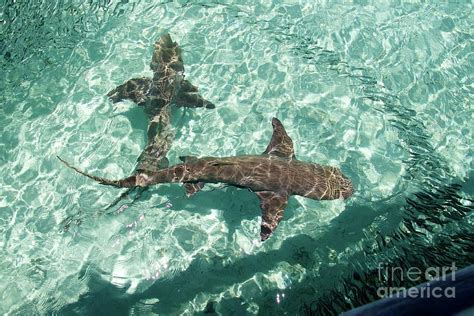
383,92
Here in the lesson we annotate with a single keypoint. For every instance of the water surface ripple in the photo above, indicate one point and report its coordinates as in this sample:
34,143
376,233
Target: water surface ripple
382,92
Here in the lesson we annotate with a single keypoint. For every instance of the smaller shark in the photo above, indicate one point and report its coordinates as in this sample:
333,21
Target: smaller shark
274,176
156,96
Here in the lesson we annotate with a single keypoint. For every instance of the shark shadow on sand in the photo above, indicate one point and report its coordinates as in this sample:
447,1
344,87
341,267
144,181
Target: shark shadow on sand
274,176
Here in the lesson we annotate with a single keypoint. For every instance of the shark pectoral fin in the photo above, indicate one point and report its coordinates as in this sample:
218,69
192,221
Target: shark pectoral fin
134,89
192,188
281,144
188,87
273,205
188,96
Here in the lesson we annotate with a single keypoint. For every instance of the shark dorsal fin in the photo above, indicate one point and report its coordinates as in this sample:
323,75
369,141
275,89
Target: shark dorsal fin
281,144
273,205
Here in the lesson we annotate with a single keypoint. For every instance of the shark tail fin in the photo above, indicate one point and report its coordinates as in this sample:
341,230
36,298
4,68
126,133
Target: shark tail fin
129,182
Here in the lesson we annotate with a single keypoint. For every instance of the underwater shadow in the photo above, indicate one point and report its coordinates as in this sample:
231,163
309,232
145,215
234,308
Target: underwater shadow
232,202
212,275
170,293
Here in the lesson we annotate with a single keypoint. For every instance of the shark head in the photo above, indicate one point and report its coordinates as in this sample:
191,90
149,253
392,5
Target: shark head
302,178
323,183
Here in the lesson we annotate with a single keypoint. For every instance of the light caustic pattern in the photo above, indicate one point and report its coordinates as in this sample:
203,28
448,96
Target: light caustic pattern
381,92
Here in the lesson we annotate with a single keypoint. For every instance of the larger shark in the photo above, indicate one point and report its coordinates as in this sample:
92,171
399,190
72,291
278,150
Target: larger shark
157,95
274,176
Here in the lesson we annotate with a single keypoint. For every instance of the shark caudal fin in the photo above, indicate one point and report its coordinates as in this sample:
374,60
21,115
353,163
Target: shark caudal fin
129,182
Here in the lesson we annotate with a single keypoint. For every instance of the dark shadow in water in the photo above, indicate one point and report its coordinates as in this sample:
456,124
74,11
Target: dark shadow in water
201,276
137,118
211,276
468,185
102,298
234,203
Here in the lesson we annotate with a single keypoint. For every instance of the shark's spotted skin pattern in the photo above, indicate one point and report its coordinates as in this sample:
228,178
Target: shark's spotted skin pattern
273,176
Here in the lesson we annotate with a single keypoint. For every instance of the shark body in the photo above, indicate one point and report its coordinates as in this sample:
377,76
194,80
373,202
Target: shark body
274,176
